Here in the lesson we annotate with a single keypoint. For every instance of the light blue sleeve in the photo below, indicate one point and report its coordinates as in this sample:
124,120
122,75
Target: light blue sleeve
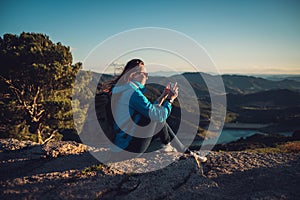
140,103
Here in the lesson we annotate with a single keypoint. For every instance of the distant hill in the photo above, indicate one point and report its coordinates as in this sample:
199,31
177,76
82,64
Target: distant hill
249,84
270,98
234,84
273,106
280,77
294,78
237,84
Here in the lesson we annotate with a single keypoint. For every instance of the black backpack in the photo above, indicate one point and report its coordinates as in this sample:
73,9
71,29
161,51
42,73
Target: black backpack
104,114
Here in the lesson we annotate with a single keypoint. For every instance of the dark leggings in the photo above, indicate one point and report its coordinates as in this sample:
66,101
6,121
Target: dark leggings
166,134
140,145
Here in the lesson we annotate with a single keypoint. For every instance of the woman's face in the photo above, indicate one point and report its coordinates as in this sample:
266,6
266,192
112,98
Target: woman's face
142,75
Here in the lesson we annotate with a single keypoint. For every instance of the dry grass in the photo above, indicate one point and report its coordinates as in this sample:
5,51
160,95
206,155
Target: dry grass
289,147
265,150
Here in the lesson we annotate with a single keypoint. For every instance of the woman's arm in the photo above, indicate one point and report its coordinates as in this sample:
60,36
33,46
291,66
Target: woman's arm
162,98
155,112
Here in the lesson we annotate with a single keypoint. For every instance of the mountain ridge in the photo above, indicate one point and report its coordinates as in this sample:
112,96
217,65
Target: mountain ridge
233,83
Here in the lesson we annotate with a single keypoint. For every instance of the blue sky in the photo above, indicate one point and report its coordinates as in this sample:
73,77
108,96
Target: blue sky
258,36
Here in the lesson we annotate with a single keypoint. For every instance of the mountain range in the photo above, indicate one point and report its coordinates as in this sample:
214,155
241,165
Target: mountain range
249,99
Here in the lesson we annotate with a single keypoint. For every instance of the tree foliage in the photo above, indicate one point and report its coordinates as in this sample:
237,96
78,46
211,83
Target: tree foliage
36,84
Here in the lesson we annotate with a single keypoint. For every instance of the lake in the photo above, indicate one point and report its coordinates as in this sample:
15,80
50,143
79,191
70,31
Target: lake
230,135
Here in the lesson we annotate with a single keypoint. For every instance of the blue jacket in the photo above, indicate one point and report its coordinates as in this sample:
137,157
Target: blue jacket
130,98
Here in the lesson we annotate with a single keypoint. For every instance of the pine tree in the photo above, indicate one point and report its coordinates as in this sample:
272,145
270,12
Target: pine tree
36,78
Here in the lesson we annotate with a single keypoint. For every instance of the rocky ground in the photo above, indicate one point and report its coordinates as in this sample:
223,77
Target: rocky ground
66,170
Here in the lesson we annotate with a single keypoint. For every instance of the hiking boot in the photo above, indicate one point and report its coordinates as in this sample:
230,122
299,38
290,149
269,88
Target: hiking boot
167,148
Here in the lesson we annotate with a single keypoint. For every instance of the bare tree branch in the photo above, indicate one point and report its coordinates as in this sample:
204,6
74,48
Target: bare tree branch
53,134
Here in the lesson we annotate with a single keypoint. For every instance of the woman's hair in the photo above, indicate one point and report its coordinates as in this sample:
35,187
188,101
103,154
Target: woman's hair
124,77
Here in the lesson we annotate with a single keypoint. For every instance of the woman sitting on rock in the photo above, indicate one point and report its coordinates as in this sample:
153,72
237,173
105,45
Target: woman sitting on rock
137,120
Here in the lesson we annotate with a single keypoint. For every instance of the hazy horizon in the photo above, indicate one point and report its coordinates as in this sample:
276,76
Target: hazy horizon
170,73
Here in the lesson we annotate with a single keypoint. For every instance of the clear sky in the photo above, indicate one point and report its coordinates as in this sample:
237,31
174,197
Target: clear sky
254,36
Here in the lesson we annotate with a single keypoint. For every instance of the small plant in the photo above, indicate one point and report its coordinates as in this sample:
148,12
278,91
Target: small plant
93,168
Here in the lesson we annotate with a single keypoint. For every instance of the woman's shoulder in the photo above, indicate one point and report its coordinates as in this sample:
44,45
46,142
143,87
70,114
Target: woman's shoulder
121,88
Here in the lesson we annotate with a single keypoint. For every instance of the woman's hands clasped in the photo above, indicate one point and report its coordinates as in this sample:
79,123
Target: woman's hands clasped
171,91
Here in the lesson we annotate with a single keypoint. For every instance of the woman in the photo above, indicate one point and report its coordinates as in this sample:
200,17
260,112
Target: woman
130,103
